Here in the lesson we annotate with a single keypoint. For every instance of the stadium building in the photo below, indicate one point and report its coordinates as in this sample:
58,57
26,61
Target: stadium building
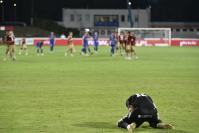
104,20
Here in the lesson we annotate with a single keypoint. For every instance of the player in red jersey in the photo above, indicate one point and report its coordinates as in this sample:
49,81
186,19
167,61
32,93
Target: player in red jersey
133,44
23,47
70,50
10,41
121,43
130,42
128,46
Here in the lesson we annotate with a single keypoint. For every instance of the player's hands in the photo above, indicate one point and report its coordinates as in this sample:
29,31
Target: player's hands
130,108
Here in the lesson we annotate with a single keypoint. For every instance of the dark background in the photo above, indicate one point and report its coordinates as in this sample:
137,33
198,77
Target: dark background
162,10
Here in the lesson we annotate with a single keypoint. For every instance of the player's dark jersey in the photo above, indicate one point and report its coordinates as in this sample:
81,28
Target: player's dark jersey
39,44
23,41
128,40
121,39
113,40
142,103
133,39
144,110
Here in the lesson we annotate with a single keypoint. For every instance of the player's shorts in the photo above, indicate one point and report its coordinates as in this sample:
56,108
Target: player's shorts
122,45
52,42
11,48
132,48
96,43
24,46
71,46
85,45
128,48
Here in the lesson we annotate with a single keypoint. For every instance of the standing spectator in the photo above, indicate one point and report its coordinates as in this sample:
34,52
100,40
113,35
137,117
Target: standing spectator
63,36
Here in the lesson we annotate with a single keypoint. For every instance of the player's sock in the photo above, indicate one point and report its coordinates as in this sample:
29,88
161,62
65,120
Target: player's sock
136,57
14,58
42,52
4,59
165,126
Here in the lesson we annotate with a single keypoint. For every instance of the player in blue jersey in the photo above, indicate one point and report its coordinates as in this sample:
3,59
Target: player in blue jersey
85,48
113,42
52,41
95,42
39,46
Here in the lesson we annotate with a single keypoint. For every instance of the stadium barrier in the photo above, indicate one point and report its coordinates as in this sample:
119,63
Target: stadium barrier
104,41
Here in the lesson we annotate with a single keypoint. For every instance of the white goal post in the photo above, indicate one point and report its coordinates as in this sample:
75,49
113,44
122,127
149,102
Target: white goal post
150,36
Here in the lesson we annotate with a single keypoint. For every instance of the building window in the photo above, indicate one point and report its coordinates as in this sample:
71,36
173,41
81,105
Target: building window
87,17
191,30
79,17
136,18
122,18
72,18
103,32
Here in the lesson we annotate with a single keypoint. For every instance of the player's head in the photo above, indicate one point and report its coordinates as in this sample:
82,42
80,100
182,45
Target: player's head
70,33
86,33
7,32
95,33
132,34
52,33
10,33
42,41
113,33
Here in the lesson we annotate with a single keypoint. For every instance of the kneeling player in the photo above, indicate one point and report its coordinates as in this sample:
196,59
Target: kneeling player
141,109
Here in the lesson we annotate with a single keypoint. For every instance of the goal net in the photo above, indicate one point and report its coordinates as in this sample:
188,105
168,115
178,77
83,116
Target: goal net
149,36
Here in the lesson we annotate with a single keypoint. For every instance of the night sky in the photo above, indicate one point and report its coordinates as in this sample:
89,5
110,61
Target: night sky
162,10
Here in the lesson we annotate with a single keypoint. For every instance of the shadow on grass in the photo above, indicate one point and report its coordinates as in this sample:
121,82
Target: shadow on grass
143,129
104,125
146,129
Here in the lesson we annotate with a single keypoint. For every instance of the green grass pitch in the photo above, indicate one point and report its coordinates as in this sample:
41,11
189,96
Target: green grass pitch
58,94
